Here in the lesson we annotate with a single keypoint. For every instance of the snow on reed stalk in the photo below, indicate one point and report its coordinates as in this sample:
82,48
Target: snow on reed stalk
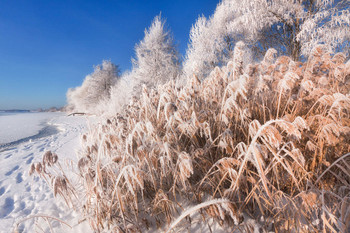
194,209
266,137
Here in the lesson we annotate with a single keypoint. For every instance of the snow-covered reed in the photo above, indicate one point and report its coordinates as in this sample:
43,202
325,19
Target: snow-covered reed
269,141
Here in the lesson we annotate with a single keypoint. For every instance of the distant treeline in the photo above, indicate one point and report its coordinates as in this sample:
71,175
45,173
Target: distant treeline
14,110
53,109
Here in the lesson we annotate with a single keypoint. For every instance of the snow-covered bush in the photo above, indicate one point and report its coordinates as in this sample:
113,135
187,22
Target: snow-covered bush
94,90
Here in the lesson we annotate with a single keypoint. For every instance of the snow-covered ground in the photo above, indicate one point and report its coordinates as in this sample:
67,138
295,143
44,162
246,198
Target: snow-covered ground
23,196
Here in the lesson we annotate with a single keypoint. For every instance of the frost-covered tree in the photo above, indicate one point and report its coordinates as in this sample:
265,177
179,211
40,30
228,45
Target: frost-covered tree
211,42
293,27
156,62
201,56
76,100
156,56
102,79
95,88
120,95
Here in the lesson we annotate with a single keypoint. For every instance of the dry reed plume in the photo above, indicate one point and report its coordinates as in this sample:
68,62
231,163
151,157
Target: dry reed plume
268,142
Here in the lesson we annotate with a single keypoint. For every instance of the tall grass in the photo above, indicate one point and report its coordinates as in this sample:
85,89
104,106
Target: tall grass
268,141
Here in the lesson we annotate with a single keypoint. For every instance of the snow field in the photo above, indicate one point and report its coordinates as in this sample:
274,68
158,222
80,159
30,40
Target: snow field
23,196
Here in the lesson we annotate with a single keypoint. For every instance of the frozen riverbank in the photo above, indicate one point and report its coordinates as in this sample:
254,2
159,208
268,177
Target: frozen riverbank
18,126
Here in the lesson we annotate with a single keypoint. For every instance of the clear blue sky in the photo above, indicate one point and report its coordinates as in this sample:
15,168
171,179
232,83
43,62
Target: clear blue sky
48,46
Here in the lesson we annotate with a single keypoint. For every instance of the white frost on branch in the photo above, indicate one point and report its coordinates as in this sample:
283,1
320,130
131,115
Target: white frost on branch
292,27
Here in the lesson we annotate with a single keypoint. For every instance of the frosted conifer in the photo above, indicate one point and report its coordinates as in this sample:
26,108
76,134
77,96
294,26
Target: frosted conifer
156,56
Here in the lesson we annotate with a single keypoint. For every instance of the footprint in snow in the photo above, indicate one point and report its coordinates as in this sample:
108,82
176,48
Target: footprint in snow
7,207
2,191
19,178
11,171
20,207
27,211
8,156
27,155
10,149
29,160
